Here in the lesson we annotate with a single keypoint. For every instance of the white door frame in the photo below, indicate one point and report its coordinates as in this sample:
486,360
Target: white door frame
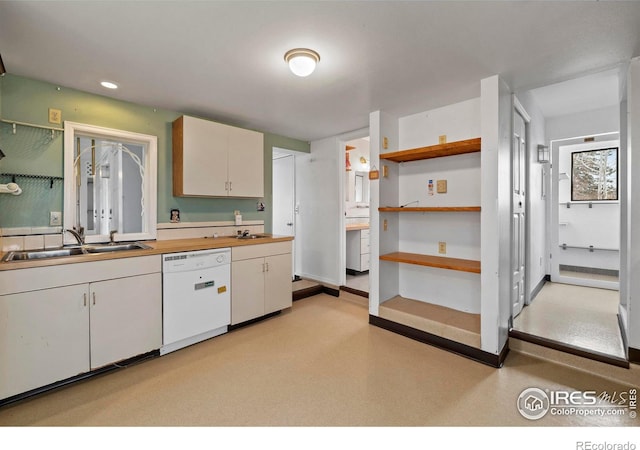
519,109
292,154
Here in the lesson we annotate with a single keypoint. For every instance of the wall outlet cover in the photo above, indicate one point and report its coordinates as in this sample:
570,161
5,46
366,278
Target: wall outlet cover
442,139
442,248
55,218
55,116
442,186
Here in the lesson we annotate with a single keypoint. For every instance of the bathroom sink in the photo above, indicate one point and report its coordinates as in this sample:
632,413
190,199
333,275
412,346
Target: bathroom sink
41,254
106,248
25,255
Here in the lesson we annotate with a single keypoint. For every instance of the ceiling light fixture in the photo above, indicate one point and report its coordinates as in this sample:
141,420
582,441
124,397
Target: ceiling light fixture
109,85
302,61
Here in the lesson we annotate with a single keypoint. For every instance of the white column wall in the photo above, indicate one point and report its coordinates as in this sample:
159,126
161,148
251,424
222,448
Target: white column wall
633,123
496,116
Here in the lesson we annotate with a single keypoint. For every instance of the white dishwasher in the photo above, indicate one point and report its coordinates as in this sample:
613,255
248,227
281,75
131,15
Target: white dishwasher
196,297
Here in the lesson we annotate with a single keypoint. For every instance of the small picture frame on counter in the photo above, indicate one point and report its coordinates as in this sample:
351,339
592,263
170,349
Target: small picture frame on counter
175,216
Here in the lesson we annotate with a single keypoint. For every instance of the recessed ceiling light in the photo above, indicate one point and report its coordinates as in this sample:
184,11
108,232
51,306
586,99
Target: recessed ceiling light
302,61
109,85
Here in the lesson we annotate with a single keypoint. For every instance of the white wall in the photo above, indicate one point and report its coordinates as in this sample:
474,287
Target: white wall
319,192
581,226
589,123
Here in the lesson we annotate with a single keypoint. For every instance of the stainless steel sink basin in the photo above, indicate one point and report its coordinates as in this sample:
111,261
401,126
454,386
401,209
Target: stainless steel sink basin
252,236
25,255
115,247
40,254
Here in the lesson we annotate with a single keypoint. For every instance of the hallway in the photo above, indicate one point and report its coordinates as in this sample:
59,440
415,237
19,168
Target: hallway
581,317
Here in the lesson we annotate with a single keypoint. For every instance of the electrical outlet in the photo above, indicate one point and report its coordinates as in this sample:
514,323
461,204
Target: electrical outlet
442,139
55,218
442,248
384,224
385,143
441,186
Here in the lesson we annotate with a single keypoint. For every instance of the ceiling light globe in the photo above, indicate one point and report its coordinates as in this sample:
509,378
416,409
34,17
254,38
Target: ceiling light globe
302,62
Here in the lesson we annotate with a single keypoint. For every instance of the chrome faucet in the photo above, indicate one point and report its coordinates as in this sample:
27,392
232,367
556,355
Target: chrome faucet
245,233
78,234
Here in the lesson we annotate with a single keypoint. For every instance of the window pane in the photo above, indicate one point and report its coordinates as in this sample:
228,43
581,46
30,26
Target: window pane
594,175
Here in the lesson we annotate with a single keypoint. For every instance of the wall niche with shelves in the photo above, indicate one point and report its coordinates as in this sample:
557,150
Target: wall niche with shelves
429,240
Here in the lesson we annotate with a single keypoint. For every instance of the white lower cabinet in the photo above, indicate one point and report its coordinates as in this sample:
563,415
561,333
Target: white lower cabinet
260,280
125,318
45,338
56,332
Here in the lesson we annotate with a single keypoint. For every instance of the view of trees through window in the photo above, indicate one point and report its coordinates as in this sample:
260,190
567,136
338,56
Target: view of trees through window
594,175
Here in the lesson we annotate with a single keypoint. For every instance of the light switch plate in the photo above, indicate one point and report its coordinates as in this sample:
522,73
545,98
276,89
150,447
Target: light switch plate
442,139
442,248
55,116
442,186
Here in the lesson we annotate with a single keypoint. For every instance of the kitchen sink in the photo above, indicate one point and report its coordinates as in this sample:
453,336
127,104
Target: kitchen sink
252,236
106,248
25,255
40,254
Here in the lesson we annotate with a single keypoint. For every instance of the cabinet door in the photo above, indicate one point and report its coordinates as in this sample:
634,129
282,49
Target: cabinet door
247,290
353,250
246,163
126,318
44,338
278,283
204,158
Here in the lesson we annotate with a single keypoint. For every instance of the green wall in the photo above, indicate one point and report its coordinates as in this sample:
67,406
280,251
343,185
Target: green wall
33,151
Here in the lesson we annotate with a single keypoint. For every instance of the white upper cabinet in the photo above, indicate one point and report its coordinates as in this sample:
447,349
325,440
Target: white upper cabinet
216,160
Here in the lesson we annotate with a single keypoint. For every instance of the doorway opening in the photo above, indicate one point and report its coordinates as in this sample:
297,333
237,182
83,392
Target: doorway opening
284,198
357,215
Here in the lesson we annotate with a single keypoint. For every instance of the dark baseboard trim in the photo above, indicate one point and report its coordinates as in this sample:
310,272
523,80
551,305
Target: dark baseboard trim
555,345
77,378
331,291
538,288
634,355
354,291
458,348
308,292
252,321
355,272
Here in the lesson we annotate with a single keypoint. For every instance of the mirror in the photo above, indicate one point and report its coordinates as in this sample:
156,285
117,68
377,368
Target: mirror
110,183
362,187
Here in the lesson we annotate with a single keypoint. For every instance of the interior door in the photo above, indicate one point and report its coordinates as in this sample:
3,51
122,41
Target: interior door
284,199
518,223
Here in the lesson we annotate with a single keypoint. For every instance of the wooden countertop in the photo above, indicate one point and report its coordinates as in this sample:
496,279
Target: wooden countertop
157,248
357,226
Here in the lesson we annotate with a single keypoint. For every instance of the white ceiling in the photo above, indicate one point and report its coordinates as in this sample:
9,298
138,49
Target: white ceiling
224,60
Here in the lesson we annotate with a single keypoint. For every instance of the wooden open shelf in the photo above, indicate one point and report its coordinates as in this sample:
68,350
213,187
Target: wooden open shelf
429,209
462,265
434,151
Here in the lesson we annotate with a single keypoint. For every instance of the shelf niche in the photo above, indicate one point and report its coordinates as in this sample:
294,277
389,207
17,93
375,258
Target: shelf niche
435,151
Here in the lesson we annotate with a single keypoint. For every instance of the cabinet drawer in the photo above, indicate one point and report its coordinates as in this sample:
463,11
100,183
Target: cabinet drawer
364,245
260,250
364,262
